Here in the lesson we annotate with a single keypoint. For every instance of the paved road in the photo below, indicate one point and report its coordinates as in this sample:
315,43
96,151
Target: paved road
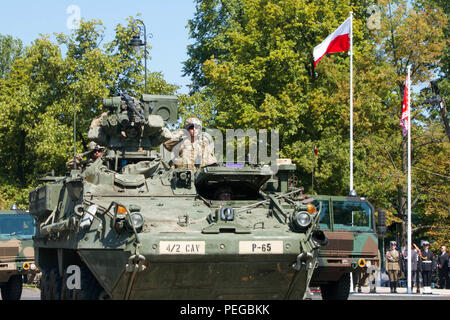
384,294
35,294
31,294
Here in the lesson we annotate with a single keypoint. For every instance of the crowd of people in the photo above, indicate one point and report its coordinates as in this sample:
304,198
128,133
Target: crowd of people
426,267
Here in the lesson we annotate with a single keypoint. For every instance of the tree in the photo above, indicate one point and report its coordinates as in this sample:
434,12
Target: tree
411,36
256,70
10,49
38,97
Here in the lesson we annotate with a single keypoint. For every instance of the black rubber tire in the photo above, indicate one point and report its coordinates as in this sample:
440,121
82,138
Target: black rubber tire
55,283
45,284
66,294
12,290
90,288
337,290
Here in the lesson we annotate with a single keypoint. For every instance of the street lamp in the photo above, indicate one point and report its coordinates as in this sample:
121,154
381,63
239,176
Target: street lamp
136,42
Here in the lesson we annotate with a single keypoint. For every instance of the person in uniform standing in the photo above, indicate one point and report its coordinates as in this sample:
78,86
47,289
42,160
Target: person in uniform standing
393,266
414,261
443,268
426,258
191,147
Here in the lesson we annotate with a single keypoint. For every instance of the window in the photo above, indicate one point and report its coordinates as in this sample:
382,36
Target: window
19,226
324,221
352,215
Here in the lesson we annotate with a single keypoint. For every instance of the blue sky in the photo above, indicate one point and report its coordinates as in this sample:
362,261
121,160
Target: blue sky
165,20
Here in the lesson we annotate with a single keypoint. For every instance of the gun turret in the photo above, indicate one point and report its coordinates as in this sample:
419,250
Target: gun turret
131,124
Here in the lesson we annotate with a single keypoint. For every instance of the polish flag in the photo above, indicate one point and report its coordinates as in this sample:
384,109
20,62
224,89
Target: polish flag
338,41
404,119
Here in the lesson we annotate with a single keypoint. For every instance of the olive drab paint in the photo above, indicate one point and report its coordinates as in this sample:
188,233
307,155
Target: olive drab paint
164,232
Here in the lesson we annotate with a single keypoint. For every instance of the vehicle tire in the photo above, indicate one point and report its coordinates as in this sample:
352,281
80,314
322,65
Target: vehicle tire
12,290
337,290
44,284
66,293
55,282
90,288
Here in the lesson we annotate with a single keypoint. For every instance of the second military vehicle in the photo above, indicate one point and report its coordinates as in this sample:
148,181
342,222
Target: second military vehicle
131,226
350,226
16,252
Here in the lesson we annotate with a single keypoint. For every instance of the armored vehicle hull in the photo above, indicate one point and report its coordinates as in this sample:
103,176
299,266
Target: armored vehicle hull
181,251
131,226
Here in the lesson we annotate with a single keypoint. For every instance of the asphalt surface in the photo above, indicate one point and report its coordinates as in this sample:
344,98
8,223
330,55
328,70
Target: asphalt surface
383,293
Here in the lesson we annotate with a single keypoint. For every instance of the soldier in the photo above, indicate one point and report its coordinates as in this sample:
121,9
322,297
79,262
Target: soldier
94,150
393,266
426,258
97,150
193,147
223,194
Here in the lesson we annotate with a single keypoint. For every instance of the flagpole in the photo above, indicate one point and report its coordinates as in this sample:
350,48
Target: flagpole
409,180
351,101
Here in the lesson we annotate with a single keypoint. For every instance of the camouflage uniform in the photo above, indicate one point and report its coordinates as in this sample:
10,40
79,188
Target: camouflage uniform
190,154
79,157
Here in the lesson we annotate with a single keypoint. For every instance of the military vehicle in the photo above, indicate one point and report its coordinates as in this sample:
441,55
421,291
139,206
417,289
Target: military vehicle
16,252
131,226
352,232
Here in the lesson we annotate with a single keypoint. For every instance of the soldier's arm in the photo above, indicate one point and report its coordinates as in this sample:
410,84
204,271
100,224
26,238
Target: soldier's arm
172,139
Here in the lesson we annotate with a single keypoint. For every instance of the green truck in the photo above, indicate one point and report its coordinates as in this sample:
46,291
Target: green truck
16,252
352,231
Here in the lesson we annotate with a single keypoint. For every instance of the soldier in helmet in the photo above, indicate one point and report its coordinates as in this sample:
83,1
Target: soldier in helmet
191,146
94,151
97,150
393,266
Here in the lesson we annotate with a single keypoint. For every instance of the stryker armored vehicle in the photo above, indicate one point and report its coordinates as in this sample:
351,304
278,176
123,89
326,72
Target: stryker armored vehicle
353,247
131,226
16,252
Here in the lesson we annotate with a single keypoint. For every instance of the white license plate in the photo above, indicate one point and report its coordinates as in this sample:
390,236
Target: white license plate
182,247
260,247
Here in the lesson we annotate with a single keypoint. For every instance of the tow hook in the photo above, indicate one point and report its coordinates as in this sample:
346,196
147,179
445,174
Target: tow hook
303,259
136,262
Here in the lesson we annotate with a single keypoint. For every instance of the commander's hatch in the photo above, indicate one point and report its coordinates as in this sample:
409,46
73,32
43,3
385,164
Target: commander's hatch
231,181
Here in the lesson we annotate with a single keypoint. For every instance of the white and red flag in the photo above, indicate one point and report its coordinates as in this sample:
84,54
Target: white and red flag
338,41
405,109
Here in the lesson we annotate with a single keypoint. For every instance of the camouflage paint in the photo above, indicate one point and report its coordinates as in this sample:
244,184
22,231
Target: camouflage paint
345,248
16,255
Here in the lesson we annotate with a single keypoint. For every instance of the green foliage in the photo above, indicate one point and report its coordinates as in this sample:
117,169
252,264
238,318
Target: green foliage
10,49
251,63
41,90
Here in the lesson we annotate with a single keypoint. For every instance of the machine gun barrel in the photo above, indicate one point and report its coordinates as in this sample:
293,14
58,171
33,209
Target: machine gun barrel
130,105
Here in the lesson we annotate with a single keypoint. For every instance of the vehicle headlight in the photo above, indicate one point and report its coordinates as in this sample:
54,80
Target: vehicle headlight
303,219
137,219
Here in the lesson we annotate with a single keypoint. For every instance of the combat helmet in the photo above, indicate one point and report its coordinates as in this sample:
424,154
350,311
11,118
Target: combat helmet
192,121
94,146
